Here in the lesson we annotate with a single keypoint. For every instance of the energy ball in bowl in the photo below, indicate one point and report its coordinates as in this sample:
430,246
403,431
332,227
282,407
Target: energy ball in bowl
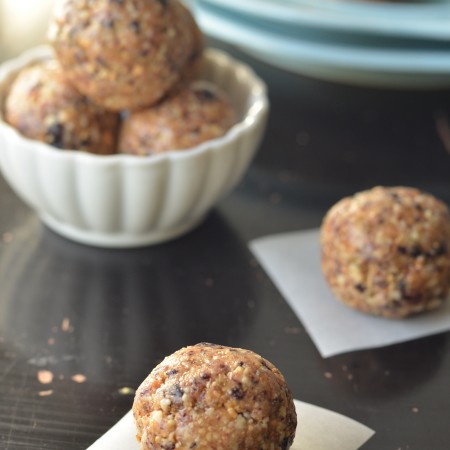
191,115
123,54
386,251
43,105
208,396
194,63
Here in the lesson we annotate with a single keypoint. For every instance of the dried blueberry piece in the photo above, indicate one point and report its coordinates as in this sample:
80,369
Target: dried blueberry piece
171,372
402,250
107,22
360,287
439,251
237,393
176,391
416,251
204,95
395,196
85,143
135,26
55,135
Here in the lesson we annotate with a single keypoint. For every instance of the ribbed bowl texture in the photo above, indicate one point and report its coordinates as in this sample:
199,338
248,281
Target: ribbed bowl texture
126,200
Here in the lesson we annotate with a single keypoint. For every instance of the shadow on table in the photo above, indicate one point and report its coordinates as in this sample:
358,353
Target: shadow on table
100,310
390,371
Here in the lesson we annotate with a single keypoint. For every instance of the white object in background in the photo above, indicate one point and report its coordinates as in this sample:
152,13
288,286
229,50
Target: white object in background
334,59
318,429
126,200
292,261
23,24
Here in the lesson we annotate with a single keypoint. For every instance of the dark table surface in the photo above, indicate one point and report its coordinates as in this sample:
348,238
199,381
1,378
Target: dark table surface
111,315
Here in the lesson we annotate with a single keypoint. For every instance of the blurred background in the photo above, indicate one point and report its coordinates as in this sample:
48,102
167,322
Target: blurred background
23,24
359,90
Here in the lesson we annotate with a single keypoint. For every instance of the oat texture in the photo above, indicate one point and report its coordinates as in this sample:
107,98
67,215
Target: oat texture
211,397
43,105
192,115
386,251
123,54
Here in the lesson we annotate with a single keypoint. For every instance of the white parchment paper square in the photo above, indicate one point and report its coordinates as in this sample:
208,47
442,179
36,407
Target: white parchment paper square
292,260
318,429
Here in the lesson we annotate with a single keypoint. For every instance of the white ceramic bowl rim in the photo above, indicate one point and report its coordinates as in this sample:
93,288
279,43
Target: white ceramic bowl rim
256,108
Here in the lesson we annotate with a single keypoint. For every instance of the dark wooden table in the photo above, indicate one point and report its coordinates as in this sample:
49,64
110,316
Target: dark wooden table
99,320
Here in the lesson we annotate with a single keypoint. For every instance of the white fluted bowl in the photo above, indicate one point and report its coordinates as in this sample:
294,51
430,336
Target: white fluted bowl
126,200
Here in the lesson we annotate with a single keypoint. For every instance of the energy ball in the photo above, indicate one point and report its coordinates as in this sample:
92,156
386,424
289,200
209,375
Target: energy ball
386,251
194,63
209,396
43,105
122,54
192,115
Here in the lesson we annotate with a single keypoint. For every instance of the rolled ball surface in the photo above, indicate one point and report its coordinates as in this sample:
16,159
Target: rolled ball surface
386,251
214,397
43,105
192,115
122,54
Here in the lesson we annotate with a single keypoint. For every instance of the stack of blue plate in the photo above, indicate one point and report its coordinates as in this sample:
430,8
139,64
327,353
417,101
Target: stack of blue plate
403,44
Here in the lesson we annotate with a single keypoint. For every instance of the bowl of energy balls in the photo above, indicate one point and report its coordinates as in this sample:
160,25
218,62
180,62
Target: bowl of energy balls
125,130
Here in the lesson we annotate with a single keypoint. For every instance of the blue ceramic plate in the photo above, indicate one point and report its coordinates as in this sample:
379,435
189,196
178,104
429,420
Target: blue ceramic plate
418,21
387,66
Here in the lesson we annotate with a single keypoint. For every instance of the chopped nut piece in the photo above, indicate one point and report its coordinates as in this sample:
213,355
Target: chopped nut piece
45,376
45,393
78,378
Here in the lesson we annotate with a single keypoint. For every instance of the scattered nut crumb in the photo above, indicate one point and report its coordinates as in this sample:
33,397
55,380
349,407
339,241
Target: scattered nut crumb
51,341
349,377
415,409
328,375
65,325
78,378
45,393
126,391
45,376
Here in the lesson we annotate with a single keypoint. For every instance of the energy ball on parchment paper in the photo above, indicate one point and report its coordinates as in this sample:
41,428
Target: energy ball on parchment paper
191,115
43,105
386,251
122,54
209,396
